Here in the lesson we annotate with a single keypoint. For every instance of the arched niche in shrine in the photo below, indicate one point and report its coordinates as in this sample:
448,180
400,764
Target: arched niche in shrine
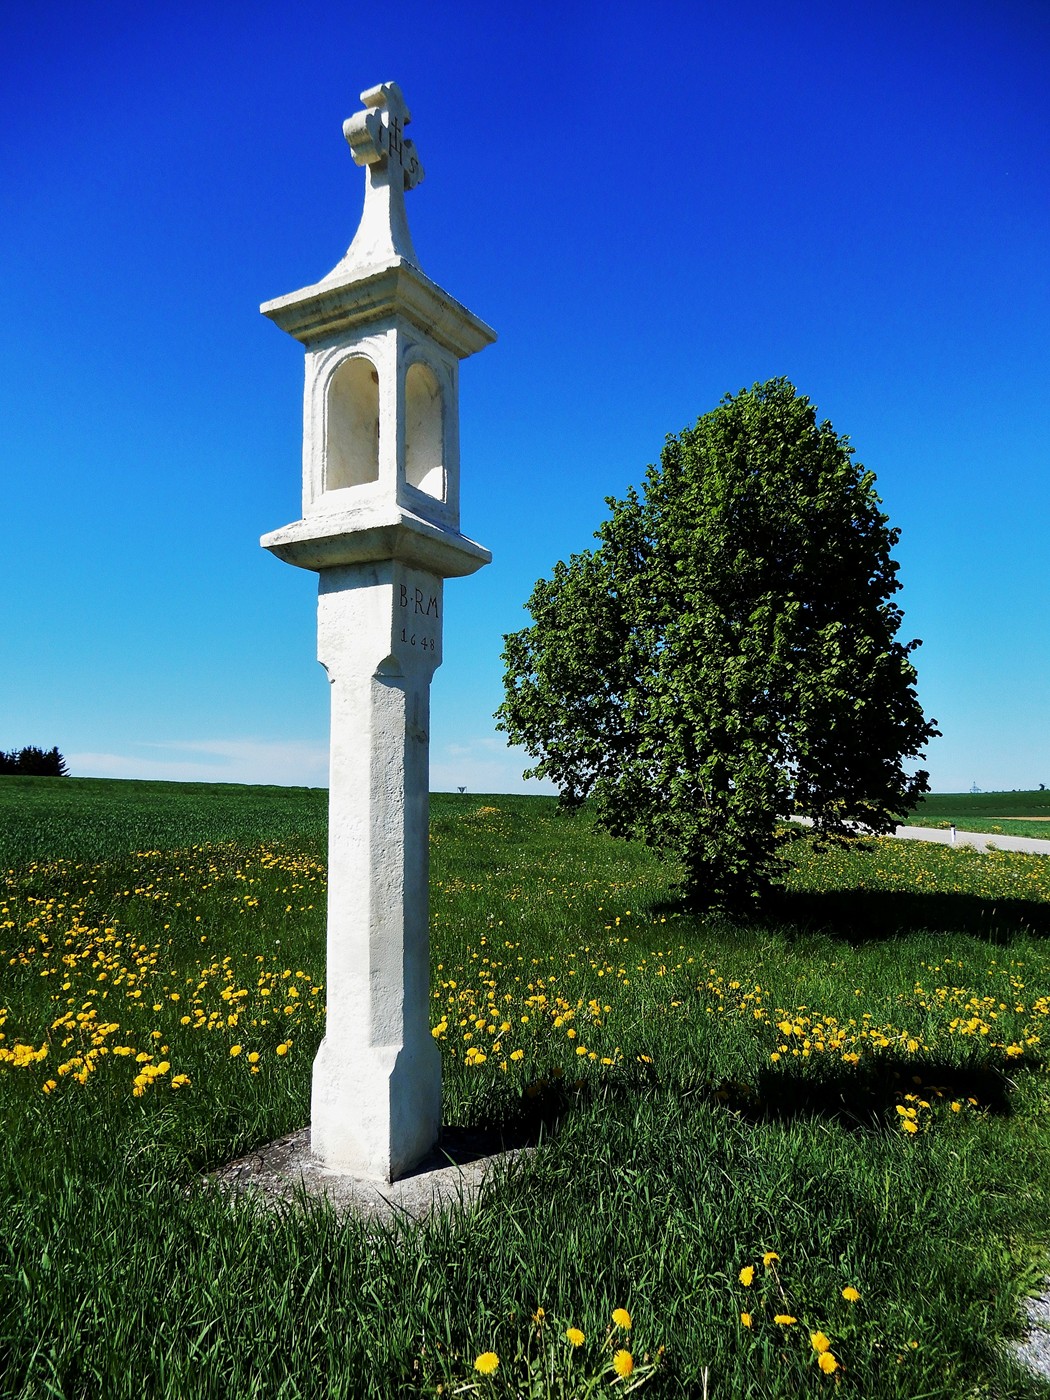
351,436
424,430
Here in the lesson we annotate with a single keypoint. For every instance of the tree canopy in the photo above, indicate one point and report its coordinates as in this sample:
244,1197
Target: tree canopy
727,656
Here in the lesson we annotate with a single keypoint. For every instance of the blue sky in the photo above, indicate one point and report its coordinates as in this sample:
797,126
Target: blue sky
653,204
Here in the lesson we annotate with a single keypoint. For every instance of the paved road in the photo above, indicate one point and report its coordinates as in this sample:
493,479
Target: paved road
979,840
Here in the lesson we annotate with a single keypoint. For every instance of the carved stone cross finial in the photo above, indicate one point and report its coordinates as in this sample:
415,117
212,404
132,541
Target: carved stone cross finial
377,133
377,141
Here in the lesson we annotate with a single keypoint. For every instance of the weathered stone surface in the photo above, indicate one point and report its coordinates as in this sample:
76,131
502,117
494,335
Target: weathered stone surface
450,1177
1032,1351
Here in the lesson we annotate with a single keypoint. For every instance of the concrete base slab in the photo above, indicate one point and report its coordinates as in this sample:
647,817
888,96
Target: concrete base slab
1033,1350
450,1177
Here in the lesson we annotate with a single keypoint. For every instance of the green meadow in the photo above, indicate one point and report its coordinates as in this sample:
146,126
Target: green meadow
804,1154
1000,813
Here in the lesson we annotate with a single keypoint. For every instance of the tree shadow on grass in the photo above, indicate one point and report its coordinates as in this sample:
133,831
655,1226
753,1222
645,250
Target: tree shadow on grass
867,1098
859,1098
861,915
865,916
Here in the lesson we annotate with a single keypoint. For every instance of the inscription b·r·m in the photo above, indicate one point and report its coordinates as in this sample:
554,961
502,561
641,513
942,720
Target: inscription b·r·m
420,603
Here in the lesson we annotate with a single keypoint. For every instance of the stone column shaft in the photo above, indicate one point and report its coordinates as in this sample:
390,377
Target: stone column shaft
376,1102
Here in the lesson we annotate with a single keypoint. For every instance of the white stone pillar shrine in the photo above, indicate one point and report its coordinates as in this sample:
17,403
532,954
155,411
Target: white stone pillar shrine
381,528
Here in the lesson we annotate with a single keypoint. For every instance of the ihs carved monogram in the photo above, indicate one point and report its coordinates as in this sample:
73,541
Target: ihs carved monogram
377,135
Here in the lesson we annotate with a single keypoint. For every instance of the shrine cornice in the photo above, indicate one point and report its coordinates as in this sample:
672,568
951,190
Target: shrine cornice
329,540
364,296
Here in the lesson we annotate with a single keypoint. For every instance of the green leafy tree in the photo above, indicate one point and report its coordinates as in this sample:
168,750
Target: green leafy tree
727,656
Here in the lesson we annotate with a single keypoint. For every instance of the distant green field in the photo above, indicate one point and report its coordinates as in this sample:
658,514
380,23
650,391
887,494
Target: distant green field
995,812
91,818
94,818
981,804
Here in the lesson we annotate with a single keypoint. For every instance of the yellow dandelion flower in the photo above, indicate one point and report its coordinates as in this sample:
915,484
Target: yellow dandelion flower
785,1319
282,1049
747,1275
745,1319
820,1342
575,1336
235,1050
769,1257
909,1125
622,1318
850,1294
623,1364
827,1363
486,1363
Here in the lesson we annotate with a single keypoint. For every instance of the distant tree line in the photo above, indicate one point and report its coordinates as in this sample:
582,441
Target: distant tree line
36,763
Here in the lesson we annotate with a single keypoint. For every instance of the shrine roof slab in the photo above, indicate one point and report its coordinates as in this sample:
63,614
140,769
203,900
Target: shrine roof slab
330,540
397,289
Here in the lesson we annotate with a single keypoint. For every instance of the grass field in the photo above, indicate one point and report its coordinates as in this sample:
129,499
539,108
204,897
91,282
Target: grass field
806,1155
1000,813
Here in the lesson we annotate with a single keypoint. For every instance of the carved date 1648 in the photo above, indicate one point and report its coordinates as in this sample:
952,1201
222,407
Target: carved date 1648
418,607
